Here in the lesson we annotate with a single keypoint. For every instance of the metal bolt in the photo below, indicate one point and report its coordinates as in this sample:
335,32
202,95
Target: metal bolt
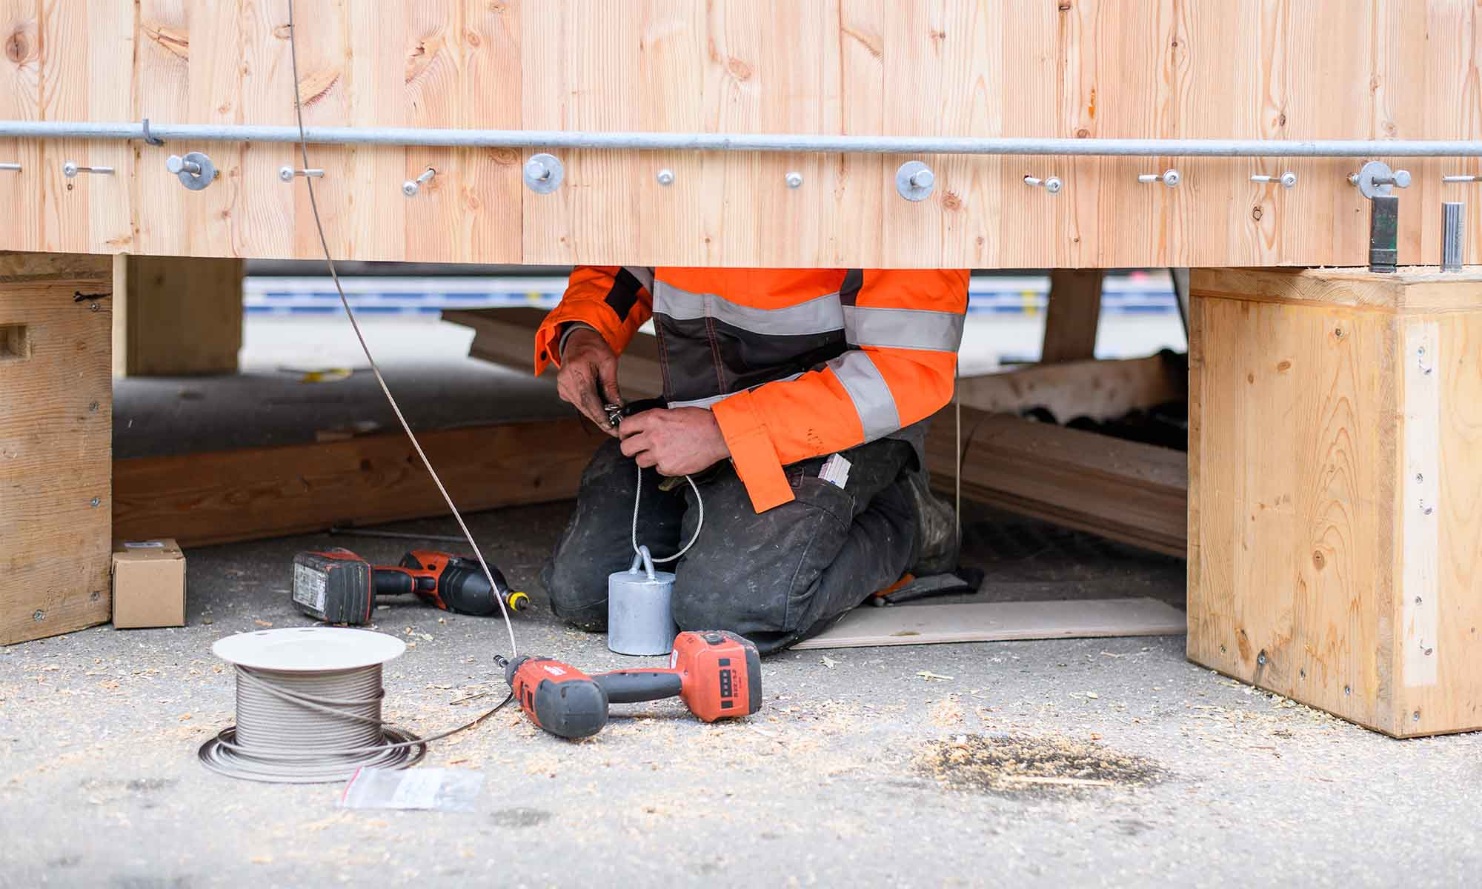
287,174
177,164
1286,180
666,176
1427,510
543,173
794,179
70,169
1261,658
93,407
10,168
94,307
1376,179
1051,185
1415,716
96,501
915,181
1461,179
94,596
412,186
1347,689
1169,177
38,615
195,171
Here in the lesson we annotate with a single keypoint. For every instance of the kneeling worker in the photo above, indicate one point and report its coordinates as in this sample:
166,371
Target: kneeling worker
796,403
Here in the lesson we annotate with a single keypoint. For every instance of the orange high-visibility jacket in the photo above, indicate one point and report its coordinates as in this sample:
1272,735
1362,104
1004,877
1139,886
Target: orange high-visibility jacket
795,363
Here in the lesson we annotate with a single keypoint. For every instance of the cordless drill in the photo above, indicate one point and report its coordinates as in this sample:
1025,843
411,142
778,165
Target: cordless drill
716,674
340,587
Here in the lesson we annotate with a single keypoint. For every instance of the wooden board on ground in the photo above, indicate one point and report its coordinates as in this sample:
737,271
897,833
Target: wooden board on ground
1123,490
999,622
56,442
1098,390
268,492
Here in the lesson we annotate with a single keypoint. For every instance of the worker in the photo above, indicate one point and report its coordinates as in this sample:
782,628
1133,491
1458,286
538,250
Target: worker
796,402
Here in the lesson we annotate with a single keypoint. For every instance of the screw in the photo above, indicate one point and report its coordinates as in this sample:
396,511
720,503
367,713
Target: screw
666,176
1261,658
10,168
1170,178
794,179
94,307
1443,178
1051,185
38,615
1223,650
94,596
287,174
1302,674
1348,689
1286,180
96,501
1419,477
1415,716
1426,509
412,186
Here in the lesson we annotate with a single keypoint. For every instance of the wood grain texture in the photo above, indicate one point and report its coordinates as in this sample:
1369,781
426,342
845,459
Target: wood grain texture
56,441
176,316
1099,390
1121,490
269,492
1072,316
999,622
1261,69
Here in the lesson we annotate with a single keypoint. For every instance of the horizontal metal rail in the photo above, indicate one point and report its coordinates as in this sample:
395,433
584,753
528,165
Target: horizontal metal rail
751,142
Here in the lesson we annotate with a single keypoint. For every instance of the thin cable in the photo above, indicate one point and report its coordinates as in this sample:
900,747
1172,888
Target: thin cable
298,106
699,523
315,728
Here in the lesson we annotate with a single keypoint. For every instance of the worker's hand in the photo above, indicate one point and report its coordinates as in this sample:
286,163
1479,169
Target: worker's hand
588,376
679,441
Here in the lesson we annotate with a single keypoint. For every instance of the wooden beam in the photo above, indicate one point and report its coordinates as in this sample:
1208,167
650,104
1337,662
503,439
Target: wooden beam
1073,315
506,337
56,440
176,316
1100,390
268,492
1122,490
999,622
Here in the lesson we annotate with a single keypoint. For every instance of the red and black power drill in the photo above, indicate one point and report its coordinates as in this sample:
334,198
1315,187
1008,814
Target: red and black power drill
717,675
340,587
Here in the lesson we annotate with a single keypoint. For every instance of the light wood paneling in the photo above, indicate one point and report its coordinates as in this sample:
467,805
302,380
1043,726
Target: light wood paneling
1262,69
176,316
56,442
1334,533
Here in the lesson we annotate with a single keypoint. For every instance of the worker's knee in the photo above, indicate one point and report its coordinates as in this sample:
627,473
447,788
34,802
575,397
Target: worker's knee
719,594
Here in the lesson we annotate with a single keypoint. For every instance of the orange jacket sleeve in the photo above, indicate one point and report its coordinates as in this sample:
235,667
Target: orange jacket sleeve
907,326
612,299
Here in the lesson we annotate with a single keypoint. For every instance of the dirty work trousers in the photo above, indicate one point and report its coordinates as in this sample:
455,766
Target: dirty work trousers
776,578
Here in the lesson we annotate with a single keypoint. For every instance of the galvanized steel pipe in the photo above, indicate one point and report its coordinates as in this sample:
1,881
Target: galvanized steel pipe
418,137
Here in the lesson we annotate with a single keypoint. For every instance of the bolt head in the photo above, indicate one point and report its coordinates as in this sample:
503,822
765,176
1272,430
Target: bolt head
410,188
286,174
1053,185
1402,178
1289,180
1172,178
537,170
69,169
95,502
924,179
175,163
794,180
666,177
38,615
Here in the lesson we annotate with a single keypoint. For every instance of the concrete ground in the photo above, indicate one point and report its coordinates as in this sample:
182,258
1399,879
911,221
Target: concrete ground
897,766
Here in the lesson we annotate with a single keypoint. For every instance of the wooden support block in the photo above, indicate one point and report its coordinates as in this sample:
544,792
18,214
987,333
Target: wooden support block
1098,390
1122,490
999,622
1073,315
1335,422
507,337
176,316
251,493
56,443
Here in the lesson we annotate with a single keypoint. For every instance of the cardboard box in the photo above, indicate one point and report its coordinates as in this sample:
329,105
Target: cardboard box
148,584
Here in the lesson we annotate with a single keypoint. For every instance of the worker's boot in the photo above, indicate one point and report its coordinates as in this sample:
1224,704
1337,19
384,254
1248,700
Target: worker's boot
937,545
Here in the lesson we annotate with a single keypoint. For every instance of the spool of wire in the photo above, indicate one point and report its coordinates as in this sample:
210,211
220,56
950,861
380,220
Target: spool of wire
309,707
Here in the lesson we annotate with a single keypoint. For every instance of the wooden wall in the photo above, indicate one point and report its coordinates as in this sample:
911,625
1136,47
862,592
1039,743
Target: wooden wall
1269,69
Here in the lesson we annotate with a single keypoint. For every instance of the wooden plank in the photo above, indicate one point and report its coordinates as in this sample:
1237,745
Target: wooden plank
1122,490
999,622
507,337
177,316
1099,390
268,492
968,68
1072,316
56,438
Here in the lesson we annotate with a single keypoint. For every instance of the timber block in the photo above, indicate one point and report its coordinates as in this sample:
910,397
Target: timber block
1335,503
56,443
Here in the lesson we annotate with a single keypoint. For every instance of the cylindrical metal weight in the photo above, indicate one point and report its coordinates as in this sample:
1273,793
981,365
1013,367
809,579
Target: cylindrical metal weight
640,619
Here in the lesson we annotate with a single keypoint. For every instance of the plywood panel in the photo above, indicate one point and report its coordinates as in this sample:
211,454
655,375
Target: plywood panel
55,445
1267,69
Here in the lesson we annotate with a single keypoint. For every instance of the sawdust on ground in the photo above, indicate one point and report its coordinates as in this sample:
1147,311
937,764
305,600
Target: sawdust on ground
1037,766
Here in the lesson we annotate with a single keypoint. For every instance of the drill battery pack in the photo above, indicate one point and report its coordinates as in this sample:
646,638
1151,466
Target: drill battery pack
335,586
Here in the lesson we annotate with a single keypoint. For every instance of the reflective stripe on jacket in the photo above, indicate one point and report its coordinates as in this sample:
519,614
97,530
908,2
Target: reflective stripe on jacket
794,363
